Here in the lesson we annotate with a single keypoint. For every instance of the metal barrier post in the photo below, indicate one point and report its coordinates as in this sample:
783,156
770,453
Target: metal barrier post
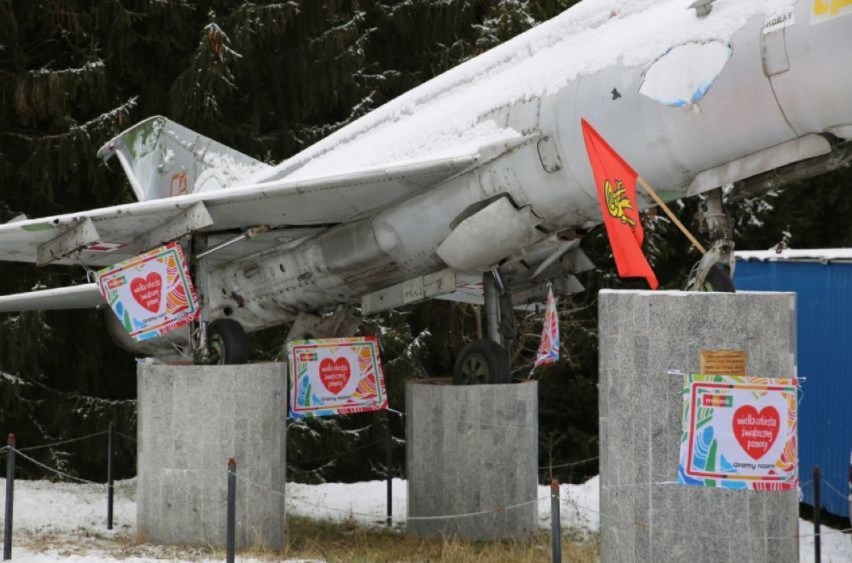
555,526
109,478
232,510
388,463
817,509
10,493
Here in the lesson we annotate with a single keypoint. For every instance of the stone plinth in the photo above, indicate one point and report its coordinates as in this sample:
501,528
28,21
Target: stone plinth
472,449
644,517
191,420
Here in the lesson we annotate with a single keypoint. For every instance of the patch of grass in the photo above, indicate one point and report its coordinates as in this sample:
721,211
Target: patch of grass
332,542
349,542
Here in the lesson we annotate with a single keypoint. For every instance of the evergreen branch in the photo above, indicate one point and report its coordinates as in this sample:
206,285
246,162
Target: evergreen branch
74,130
215,37
90,66
87,399
348,25
268,7
312,133
71,71
384,75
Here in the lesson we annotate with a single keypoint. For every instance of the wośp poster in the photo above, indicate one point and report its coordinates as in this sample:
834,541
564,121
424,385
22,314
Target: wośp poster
739,432
151,294
335,376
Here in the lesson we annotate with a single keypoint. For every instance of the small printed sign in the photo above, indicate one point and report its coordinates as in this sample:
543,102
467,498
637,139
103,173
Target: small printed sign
151,294
723,362
335,376
739,432
778,20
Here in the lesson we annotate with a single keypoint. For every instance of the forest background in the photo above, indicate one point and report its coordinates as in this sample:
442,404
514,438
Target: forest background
269,79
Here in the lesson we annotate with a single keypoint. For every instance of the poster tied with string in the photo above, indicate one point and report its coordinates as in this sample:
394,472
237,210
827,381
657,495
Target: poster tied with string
739,432
335,376
151,294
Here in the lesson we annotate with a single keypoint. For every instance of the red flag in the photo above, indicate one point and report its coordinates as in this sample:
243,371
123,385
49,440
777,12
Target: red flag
616,186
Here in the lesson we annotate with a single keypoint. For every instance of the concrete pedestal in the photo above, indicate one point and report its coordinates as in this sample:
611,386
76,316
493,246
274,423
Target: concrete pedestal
472,449
191,420
642,335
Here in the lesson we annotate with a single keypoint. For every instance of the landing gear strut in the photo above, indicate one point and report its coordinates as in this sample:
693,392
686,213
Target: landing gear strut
222,341
486,361
716,268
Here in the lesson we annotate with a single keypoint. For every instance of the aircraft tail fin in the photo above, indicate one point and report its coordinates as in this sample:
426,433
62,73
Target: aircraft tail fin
164,159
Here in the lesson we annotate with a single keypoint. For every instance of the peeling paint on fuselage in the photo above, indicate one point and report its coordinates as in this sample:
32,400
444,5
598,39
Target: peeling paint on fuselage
685,73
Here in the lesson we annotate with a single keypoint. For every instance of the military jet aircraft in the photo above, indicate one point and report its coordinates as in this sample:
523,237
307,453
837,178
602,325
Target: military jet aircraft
474,186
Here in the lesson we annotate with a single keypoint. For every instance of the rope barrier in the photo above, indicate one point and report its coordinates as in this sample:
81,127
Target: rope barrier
256,484
495,510
641,524
340,510
102,432
567,502
351,512
570,463
57,471
291,498
131,438
650,483
336,456
682,372
831,487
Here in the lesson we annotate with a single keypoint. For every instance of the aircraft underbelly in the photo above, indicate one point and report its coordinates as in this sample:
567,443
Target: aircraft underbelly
345,262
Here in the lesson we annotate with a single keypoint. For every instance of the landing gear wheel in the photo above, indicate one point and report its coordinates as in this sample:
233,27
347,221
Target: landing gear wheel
717,279
227,342
481,362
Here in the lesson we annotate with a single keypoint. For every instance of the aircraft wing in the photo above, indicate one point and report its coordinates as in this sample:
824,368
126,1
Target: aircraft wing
83,296
292,209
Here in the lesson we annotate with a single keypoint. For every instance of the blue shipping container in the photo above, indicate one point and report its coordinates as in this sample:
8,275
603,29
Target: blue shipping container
822,280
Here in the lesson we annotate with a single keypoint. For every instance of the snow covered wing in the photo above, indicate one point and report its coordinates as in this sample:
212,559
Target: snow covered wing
75,297
289,208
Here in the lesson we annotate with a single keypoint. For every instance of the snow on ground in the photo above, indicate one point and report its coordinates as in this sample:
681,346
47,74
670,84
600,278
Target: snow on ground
67,522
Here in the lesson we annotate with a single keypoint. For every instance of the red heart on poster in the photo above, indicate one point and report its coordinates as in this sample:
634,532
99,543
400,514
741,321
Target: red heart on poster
334,374
146,291
756,431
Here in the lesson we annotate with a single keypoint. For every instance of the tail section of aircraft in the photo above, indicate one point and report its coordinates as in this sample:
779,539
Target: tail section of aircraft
163,159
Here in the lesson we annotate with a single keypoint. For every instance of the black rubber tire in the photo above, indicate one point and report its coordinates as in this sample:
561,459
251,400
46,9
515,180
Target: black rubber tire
718,280
480,363
228,342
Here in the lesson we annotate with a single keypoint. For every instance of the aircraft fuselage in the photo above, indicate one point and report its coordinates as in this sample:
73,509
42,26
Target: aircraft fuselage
704,113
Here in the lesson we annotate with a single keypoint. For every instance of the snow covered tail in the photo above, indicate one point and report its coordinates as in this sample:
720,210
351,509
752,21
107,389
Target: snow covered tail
164,159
